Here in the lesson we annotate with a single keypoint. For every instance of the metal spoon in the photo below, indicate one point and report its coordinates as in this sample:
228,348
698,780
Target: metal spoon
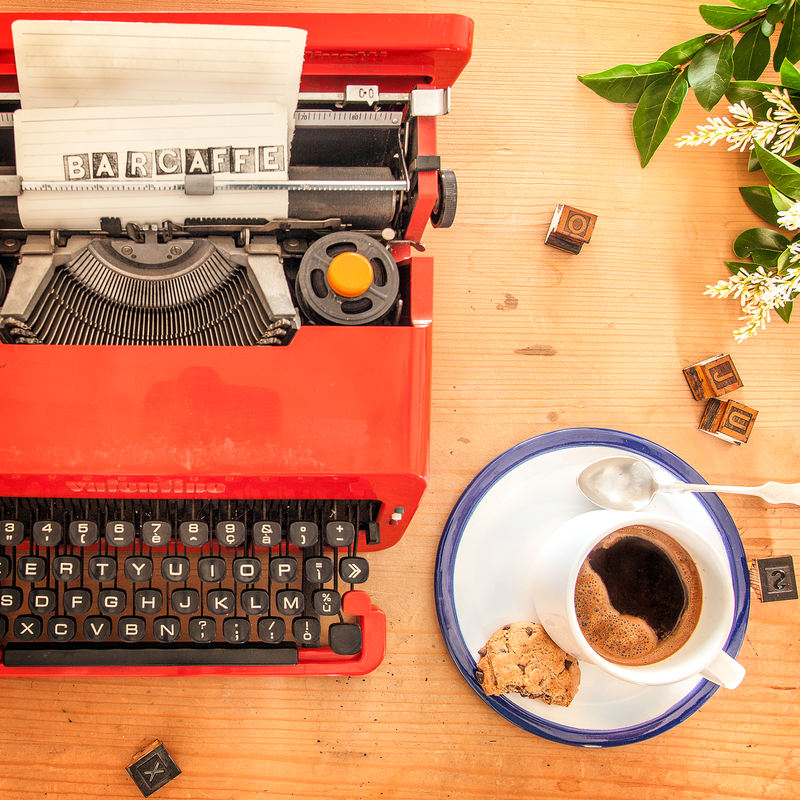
627,484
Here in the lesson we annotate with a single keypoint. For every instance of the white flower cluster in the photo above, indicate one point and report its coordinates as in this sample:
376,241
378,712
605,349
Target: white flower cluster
760,292
776,133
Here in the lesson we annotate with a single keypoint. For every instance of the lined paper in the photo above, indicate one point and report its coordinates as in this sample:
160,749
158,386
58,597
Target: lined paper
147,146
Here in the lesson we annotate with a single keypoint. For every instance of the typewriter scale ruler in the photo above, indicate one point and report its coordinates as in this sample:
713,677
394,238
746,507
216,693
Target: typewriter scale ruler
219,186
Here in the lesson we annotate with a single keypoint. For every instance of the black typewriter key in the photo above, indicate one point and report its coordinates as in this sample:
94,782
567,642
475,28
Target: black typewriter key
156,533
27,628
166,629
185,601
120,533
271,630
236,630
267,534
31,568
318,570
5,567
175,569
61,629
255,602
221,602
112,601
83,533
230,533
47,533
290,602
3,626
42,601
10,598
148,601
246,570
131,629
66,568
354,570
306,630
326,602
211,569
12,532
202,630
97,629
102,568
193,533
283,569
303,534
340,534
138,569
77,601
344,638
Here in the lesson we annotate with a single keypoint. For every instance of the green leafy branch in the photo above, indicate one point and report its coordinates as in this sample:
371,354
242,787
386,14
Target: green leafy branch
708,64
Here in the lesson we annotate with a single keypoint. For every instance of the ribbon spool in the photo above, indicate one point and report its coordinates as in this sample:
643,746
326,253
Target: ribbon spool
347,279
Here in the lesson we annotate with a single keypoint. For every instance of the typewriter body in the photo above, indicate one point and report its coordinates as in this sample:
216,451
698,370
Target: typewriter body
209,423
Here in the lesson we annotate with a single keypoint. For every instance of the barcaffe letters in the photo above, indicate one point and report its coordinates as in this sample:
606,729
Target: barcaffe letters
175,161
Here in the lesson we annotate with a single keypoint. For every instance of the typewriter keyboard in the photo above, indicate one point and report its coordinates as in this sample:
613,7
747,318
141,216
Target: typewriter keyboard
178,582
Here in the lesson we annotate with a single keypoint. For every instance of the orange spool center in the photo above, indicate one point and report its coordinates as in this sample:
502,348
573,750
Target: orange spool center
350,274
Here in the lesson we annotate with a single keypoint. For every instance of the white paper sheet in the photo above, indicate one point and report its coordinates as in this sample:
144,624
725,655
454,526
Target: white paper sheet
137,87
148,146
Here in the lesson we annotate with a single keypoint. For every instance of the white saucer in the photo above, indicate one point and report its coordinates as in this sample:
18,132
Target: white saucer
483,579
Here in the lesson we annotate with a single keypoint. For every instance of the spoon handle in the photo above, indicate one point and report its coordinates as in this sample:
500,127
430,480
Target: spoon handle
772,492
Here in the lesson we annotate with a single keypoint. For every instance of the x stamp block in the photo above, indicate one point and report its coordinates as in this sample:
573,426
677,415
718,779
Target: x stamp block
152,768
728,420
713,377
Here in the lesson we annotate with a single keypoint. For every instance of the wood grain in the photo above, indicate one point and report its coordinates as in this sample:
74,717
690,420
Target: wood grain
527,340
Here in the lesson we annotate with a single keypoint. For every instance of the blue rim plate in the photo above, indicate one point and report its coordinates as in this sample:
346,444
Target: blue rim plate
465,530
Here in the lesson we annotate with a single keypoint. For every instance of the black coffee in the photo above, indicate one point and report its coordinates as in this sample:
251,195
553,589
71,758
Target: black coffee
638,596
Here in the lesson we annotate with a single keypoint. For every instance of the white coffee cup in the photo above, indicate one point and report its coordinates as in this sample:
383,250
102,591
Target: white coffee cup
555,573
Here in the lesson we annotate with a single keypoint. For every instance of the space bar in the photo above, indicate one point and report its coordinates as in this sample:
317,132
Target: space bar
21,655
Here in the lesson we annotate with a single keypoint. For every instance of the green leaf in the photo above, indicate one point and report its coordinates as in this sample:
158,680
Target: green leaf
752,93
789,41
625,83
790,76
783,175
710,71
724,17
777,11
785,312
740,266
756,240
681,53
780,200
751,5
658,108
751,56
767,27
752,162
760,201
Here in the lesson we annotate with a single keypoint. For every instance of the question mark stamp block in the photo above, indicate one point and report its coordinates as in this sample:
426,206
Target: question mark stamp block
773,579
713,377
570,229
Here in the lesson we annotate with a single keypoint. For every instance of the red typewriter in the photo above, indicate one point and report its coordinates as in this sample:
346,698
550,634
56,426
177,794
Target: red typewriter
211,421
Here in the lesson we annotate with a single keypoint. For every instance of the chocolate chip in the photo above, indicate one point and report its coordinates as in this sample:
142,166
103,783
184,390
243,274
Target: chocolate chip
479,675
529,631
482,652
506,627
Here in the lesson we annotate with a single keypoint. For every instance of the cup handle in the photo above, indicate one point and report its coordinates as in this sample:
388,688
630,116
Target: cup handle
724,671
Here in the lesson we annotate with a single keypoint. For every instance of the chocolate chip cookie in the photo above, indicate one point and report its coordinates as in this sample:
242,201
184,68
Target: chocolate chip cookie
521,658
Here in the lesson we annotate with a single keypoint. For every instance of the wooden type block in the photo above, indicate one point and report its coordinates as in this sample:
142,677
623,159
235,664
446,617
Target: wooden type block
773,579
728,420
570,228
713,377
152,768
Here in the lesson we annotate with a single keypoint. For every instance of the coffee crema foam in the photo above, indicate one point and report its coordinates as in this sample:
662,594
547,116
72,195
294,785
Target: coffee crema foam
638,596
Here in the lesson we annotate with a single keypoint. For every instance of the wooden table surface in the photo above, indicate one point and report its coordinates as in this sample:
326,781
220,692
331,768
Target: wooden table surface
527,340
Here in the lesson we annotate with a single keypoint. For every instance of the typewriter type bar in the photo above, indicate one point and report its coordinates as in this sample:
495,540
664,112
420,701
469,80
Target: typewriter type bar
218,370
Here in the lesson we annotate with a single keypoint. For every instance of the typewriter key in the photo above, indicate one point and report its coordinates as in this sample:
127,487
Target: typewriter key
47,533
